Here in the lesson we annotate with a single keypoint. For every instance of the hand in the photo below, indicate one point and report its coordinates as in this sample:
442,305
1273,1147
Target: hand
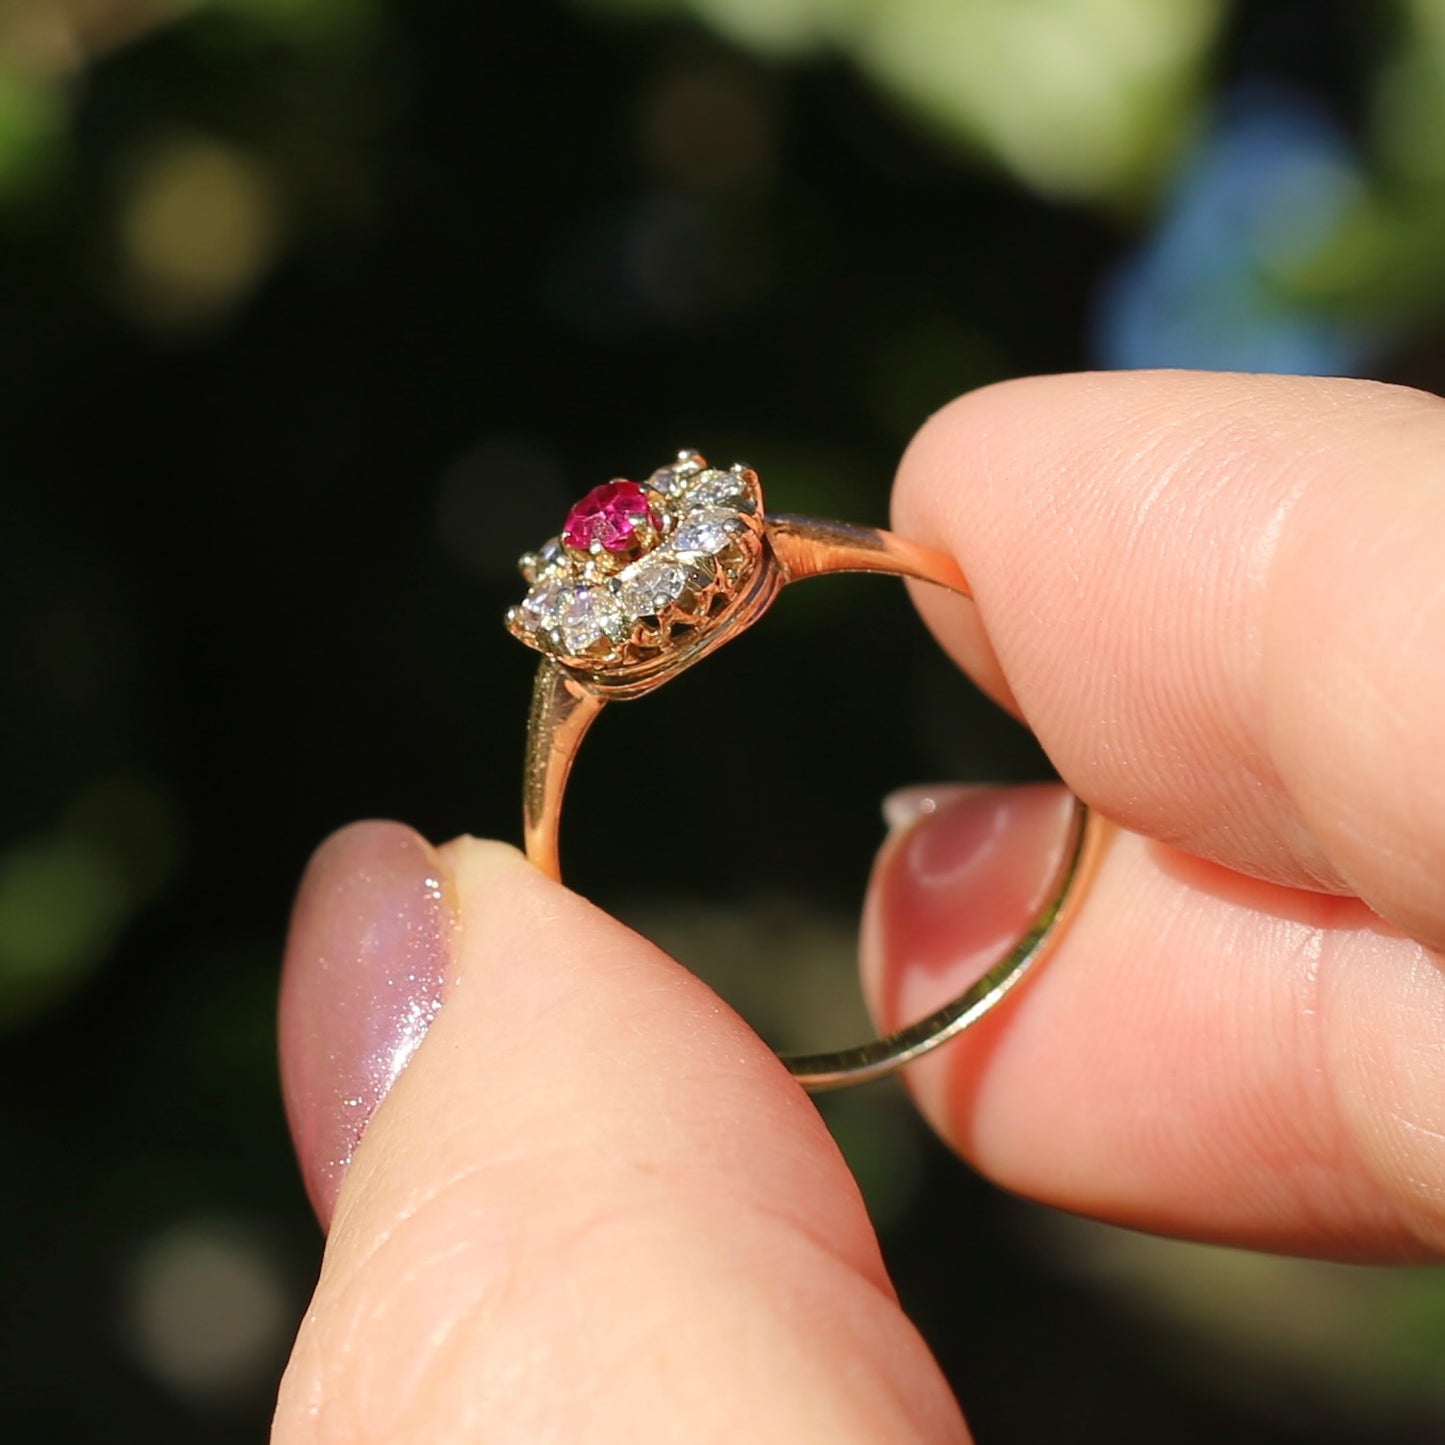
594,1206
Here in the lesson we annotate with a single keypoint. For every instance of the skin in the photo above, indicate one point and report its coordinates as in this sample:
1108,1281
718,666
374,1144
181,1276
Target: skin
595,1207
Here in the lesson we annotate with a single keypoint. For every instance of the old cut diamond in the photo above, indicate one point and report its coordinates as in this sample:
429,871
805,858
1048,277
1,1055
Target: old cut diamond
707,532
592,614
672,480
668,481
720,489
542,607
652,585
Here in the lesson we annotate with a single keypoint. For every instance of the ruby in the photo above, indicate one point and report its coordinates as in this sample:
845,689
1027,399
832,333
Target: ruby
611,515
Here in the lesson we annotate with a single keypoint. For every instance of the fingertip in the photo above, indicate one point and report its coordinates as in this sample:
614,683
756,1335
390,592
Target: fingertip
1157,559
965,477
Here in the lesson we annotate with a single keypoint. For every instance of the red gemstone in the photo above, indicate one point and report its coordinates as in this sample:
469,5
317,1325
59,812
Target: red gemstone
611,515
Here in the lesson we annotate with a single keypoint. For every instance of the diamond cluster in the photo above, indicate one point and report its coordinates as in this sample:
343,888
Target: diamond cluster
642,567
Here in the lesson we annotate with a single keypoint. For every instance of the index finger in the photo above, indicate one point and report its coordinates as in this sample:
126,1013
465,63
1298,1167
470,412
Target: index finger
1219,602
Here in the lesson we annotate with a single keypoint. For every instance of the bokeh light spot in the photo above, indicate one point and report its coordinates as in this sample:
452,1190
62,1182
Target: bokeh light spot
206,1308
199,226
32,131
66,893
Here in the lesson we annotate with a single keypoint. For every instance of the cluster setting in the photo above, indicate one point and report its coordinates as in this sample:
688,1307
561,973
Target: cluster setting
641,569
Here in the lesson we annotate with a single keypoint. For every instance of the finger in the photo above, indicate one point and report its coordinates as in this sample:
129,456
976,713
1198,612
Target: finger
1204,1054
1219,602
592,1207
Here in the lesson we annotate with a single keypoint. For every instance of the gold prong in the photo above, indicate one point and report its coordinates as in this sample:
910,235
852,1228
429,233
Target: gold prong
522,633
750,480
695,599
601,649
645,635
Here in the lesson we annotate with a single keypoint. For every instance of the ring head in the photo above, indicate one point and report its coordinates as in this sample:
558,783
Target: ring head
646,577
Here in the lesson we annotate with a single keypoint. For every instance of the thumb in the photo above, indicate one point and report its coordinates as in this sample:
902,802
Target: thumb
590,1203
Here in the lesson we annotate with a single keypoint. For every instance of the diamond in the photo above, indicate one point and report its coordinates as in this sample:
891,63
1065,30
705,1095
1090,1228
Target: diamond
591,615
651,585
708,532
720,489
542,607
615,516
667,481
547,558
672,480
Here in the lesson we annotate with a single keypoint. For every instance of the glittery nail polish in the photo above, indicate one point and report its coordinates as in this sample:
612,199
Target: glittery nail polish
364,974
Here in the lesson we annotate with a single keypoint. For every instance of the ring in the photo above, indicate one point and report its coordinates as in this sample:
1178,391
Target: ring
647,578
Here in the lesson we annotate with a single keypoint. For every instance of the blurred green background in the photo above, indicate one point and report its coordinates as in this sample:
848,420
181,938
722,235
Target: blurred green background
315,313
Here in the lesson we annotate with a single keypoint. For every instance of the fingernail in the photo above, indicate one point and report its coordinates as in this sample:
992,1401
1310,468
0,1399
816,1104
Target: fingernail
965,873
905,806
365,967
